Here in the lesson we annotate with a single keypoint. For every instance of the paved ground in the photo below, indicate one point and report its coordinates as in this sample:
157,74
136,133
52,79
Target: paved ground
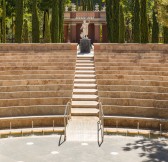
114,149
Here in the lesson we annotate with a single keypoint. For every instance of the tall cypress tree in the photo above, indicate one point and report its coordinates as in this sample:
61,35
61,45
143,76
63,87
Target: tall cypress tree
144,22
19,21
4,22
77,5
47,32
61,20
136,23
115,20
100,5
165,34
25,32
35,23
122,25
109,19
155,29
55,21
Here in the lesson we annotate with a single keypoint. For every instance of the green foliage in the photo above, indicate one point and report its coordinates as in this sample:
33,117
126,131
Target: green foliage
4,22
165,34
19,21
35,23
61,20
122,26
47,34
136,23
55,22
155,29
115,21
162,8
144,22
109,19
25,32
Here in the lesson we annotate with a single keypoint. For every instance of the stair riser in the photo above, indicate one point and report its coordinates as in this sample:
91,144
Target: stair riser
85,114
84,99
133,123
91,93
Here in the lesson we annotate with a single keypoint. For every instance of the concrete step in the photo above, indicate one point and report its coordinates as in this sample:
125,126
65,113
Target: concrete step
84,104
86,81
35,94
34,101
82,76
132,94
36,76
132,77
26,121
134,88
50,87
85,68
14,111
82,97
119,82
133,122
85,86
35,82
38,72
84,112
84,57
84,72
85,91
84,61
135,102
117,110
85,65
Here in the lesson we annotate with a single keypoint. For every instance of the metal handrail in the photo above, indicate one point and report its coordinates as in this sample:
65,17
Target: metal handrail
67,116
101,119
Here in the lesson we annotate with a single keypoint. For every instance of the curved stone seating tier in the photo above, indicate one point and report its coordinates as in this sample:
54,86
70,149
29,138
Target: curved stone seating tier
33,72
135,88
32,110
132,81
36,83
35,94
36,76
44,87
3,68
138,111
38,121
130,72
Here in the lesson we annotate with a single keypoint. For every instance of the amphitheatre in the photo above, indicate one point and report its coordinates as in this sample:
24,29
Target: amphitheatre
60,104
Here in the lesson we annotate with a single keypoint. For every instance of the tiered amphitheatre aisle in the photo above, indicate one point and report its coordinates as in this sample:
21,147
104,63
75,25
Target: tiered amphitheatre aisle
83,125
133,85
36,83
84,100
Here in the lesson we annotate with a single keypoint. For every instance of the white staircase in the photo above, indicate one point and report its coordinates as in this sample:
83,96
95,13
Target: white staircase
85,99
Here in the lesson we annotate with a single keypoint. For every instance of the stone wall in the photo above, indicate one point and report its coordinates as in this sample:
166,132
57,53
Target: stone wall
108,47
38,47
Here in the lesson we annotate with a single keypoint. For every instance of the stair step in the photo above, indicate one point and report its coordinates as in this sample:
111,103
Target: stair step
85,68
85,61
82,97
85,72
90,76
85,65
84,104
85,86
82,57
84,112
87,81
85,91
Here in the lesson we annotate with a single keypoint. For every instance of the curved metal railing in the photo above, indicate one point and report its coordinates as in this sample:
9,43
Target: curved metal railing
67,116
101,120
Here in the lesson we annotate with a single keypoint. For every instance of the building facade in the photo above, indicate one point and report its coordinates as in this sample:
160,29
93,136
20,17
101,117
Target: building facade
97,27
